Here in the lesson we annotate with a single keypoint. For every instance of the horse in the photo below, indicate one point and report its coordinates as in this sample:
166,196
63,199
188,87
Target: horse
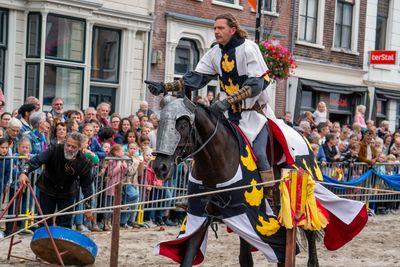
204,134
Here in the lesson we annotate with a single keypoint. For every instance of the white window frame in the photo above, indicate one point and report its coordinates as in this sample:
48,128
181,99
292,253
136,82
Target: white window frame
320,27
235,5
354,31
274,11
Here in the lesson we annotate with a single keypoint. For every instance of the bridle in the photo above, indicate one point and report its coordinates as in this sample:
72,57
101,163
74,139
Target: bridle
187,144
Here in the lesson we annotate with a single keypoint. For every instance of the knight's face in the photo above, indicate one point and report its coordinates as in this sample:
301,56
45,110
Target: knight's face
223,33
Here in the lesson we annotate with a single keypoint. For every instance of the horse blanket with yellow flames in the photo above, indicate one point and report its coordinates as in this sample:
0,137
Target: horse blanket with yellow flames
247,213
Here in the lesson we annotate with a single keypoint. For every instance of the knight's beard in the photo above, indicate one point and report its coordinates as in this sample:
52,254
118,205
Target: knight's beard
70,155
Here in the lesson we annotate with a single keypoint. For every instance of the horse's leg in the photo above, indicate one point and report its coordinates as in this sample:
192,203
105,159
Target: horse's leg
312,249
193,244
245,257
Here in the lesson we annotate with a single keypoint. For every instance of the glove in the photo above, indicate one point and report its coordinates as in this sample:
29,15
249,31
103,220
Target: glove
222,105
155,88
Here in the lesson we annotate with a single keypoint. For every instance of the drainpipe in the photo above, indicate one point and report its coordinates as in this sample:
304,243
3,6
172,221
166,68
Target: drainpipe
291,43
149,47
292,20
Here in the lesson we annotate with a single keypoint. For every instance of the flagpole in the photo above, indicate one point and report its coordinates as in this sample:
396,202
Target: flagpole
258,20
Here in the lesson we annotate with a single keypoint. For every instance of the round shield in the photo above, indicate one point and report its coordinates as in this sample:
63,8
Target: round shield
79,249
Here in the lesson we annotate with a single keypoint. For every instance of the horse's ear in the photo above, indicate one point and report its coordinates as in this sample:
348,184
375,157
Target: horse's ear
189,104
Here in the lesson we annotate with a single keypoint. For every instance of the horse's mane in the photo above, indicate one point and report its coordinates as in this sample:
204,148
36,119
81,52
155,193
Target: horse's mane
213,112
217,114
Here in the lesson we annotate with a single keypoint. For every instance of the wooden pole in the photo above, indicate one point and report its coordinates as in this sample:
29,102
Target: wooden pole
115,226
290,255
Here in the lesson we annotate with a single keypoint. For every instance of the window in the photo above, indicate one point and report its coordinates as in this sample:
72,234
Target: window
344,21
32,79
307,100
64,82
381,108
3,44
308,21
105,55
228,3
398,115
64,44
65,38
34,38
381,24
339,102
186,56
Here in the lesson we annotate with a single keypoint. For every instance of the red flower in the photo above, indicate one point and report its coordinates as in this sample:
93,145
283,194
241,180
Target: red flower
279,60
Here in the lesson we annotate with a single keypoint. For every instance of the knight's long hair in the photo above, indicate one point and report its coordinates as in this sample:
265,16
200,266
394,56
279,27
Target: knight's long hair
233,23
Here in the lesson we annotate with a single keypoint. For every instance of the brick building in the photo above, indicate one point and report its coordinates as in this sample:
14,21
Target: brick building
83,51
329,49
183,32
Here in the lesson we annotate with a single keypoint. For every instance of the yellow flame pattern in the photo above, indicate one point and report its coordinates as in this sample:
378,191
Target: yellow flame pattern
227,65
231,88
269,227
248,161
254,197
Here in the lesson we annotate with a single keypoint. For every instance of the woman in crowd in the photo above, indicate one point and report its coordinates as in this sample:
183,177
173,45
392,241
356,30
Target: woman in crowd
330,149
387,140
59,133
40,128
124,126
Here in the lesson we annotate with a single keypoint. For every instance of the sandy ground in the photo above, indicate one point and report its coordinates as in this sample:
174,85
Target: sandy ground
377,245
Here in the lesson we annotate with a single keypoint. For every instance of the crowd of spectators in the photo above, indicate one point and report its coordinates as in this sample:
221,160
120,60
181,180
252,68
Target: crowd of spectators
361,141
29,131
127,141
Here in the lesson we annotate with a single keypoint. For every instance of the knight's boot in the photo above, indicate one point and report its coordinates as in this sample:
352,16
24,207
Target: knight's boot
268,176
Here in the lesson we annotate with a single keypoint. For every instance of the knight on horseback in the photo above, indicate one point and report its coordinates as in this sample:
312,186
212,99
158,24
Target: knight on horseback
242,73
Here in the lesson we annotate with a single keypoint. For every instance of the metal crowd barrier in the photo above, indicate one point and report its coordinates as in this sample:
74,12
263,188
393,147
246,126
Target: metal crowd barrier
372,190
147,188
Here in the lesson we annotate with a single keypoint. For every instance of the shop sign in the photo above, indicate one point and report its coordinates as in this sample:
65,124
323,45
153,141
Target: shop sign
382,57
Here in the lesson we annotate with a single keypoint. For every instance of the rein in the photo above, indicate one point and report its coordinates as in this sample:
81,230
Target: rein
204,144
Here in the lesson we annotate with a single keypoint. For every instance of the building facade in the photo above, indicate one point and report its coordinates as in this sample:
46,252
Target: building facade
86,52
383,80
329,49
183,33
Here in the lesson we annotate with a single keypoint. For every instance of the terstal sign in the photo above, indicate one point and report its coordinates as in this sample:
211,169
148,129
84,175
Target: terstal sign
382,57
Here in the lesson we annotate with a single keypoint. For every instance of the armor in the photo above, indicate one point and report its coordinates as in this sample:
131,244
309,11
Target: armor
173,109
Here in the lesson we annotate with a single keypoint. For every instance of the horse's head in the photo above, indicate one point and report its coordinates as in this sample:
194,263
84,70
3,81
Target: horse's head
174,141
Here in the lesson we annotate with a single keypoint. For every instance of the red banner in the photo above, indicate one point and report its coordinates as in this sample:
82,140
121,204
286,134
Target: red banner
382,57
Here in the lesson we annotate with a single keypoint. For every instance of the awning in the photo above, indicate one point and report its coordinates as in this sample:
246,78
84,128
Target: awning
388,94
331,87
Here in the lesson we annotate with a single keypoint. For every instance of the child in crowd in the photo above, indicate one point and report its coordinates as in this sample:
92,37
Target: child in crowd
144,142
145,131
153,191
24,154
94,159
130,189
93,144
321,114
115,171
5,167
131,136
